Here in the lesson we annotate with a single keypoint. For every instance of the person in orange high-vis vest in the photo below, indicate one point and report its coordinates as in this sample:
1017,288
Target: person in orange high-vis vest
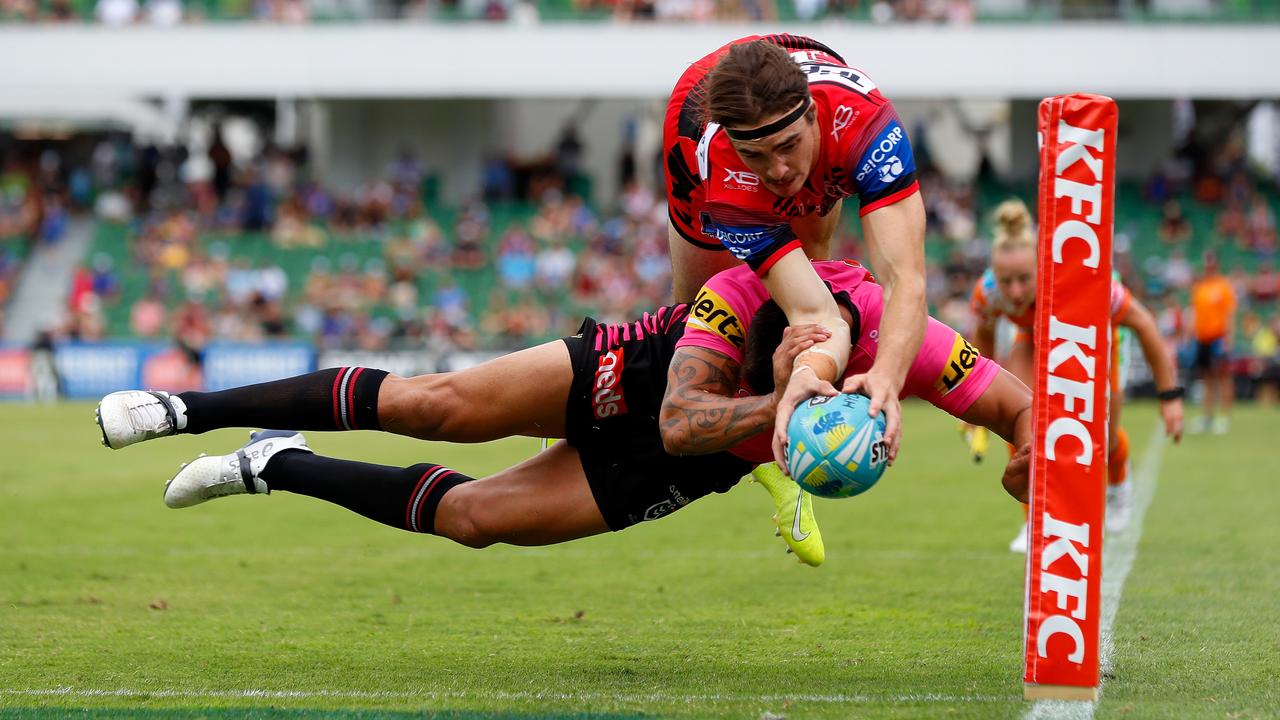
1213,306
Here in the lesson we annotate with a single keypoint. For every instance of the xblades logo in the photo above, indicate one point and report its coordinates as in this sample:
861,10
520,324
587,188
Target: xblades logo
741,178
840,120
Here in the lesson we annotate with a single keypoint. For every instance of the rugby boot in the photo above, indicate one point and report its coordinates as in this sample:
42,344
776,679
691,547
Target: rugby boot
794,520
1119,506
208,476
132,416
1019,542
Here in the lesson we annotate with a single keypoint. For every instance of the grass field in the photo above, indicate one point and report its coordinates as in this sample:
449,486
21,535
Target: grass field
113,606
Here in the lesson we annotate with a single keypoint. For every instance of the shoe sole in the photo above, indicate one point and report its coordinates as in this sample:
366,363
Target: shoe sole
203,464
97,417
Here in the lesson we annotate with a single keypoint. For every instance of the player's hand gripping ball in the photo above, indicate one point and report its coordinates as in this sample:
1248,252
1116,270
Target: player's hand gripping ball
835,449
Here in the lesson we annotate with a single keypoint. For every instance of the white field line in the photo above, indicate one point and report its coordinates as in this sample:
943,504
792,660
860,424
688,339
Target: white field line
630,698
1118,555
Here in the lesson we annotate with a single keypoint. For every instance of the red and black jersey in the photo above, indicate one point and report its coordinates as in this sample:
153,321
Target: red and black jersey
714,201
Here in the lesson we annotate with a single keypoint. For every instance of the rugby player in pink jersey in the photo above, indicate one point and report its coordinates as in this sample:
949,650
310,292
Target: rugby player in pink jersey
602,389
715,381
763,140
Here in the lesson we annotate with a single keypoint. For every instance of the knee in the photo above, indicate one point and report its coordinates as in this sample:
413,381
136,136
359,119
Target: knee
465,517
419,406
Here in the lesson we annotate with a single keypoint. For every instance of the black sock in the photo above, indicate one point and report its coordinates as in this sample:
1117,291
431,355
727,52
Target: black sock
404,498
333,399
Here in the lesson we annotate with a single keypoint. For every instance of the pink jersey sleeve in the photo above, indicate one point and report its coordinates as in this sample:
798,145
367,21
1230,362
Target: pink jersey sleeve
720,314
948,371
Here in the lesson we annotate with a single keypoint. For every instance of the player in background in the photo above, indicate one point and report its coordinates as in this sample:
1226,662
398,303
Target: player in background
600,390
763,140
718,387
1213,306
1008,290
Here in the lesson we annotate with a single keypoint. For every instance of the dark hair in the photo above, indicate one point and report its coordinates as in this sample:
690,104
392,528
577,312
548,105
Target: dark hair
765,335
751,82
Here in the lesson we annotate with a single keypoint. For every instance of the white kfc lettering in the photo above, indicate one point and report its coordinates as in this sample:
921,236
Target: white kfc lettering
1062,542
1075,152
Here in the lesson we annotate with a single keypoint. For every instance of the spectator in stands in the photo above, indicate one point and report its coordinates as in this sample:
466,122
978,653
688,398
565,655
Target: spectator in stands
1177,271
1231,222
1174,227
164,13
116,13
554,266
515,263
1264,289
104,282
147,316
1262,355
1260,228
470,233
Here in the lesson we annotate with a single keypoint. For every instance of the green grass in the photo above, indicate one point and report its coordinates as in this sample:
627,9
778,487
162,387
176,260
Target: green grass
917,612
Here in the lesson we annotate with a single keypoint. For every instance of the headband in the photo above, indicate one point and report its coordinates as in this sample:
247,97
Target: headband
777,125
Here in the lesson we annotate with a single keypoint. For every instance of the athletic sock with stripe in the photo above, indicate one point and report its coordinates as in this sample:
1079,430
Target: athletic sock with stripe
333,399
404,498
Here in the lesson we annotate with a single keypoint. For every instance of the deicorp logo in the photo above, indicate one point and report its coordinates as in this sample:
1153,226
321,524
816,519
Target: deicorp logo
881,153
711,313
607,399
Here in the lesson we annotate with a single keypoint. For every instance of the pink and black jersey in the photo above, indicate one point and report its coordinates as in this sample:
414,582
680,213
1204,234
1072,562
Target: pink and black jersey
947,371
864,153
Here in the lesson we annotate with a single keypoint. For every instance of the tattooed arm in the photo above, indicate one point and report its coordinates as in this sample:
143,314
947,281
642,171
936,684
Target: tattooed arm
700,414
699,411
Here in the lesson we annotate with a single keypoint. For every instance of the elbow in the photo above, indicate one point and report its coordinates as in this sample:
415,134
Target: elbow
668,429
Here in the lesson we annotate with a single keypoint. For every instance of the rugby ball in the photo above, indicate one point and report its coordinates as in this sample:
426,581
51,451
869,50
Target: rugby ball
835,448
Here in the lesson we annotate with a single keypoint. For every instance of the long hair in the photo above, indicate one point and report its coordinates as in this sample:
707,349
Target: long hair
751,82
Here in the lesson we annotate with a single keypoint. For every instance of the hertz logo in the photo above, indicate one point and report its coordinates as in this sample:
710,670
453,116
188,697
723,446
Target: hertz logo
711,313
963,359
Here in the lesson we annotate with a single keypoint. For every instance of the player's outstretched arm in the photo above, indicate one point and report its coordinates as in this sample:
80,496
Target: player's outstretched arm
700,413
805,300
895,240
1005,409
1143,324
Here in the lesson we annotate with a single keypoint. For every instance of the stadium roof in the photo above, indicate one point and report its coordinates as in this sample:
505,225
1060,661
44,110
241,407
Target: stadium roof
378,60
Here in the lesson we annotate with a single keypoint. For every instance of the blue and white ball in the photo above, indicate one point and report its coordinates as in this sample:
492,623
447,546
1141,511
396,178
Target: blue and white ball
835,449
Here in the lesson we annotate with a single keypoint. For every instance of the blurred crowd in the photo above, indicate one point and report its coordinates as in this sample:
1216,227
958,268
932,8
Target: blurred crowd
119,13
261,250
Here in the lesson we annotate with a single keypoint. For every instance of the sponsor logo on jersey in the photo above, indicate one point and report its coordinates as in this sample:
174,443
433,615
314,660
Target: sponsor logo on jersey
881,150
607,399
963,359
840,120
741,180
741,241
710,312
891,170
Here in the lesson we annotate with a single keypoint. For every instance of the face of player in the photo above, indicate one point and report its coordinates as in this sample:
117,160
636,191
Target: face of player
784,159
1015,272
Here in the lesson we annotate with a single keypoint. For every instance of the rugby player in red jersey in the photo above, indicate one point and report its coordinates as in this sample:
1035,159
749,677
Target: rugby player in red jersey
763,140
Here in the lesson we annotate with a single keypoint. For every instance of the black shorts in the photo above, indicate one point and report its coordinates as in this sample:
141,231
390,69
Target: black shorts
1209,354
612,420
